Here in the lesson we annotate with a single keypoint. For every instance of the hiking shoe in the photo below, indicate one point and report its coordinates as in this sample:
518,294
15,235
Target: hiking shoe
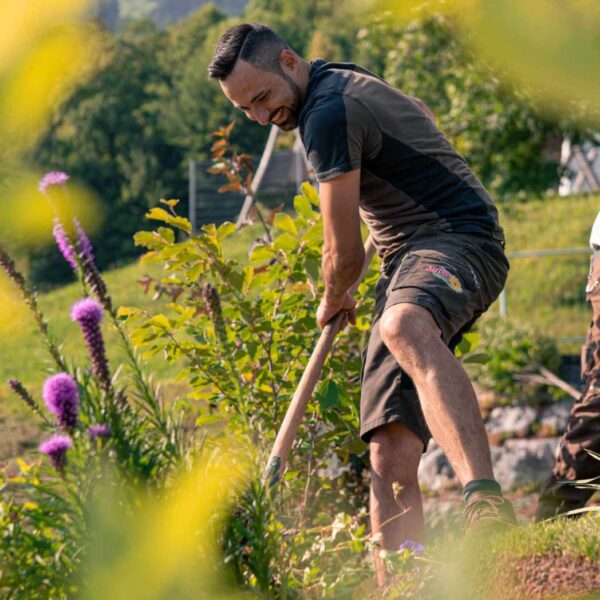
487,512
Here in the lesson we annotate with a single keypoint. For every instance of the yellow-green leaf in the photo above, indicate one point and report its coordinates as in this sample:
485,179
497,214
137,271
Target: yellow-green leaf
173,202
284,222
260,254
159,214
310,192
302,206
225,230
285,242
126,311
161,320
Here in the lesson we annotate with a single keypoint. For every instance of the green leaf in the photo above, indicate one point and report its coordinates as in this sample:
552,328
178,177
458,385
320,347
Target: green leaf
181,223
313,268
248,276
161,321
159,214
328,395
148,239
236,279
225,230
479,358
261,254
313,236
302,206
285,242
310,192
167,234
284,222
127,311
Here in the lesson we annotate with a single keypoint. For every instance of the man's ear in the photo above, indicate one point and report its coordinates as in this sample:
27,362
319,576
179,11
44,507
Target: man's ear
288,59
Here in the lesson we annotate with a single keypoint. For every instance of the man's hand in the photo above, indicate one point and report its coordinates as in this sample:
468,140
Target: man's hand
330,307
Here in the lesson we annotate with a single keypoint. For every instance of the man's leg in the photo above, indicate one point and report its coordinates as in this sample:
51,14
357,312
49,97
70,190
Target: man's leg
573,461
396,506
445,392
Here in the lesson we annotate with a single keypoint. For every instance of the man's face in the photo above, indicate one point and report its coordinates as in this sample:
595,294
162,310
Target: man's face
264,96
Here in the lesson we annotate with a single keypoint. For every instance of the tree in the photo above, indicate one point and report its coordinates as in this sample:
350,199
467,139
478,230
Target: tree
494,126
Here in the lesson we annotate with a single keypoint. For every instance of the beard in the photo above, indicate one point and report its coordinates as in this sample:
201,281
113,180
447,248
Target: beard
294,108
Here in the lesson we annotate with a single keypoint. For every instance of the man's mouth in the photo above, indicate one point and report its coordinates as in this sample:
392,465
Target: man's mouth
278,116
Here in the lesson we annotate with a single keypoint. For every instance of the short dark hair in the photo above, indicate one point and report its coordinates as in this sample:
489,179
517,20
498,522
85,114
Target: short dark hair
253,42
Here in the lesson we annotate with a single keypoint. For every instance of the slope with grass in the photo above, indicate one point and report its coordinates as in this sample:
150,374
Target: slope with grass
548,292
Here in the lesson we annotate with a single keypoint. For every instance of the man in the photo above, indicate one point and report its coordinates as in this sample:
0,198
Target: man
378,155
573,461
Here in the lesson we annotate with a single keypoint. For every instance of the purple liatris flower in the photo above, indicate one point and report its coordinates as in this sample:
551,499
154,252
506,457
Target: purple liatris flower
101,430
56,448
62,399
84,246
64,243
52,178
412,547
88,314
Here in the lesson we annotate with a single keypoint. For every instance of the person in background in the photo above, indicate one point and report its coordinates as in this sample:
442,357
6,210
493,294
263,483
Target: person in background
573,461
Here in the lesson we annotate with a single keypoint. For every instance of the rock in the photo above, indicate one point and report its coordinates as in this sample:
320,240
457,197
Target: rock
521,462
553,419
509,421
435,472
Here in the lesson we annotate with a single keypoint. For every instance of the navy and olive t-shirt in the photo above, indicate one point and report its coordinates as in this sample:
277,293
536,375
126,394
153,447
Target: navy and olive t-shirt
411,176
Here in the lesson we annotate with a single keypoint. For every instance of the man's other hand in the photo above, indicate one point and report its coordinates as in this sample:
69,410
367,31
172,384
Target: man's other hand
330,307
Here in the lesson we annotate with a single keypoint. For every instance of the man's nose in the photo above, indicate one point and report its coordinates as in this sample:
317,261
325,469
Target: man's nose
261,115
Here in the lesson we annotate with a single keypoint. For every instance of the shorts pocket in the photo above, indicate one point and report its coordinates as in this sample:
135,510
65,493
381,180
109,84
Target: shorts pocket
432,268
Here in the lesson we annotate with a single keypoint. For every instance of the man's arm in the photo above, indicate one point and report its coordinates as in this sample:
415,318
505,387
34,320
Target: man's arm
343,251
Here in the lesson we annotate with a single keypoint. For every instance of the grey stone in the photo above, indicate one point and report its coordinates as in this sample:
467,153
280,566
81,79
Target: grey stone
554,418
435,471
510,421
520,462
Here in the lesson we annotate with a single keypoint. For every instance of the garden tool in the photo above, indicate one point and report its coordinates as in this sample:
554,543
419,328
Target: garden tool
312,373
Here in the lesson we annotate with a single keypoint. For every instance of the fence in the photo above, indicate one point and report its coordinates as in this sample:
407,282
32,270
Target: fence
546,288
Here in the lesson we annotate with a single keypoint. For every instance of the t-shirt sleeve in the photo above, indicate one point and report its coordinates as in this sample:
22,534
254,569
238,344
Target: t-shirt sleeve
339,133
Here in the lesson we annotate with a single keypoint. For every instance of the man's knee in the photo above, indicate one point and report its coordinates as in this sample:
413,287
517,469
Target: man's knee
395,453
408,331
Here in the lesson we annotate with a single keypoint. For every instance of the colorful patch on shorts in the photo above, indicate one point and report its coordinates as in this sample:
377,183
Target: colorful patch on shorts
444,275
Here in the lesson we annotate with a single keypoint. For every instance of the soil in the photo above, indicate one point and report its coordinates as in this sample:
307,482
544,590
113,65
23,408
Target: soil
549,577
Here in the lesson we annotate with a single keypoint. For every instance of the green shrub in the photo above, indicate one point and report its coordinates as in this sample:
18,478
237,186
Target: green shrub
514,350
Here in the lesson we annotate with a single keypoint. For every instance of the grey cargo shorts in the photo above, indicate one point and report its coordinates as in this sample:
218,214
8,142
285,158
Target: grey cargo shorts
456,277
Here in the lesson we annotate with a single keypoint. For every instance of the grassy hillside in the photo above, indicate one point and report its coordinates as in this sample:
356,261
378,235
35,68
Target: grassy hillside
548,292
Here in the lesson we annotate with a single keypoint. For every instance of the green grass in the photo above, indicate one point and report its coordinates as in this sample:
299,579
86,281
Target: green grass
26,358
548,292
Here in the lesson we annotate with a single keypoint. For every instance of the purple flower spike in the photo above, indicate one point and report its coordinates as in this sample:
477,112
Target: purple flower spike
64,243
88,314
56,448
412,547
62,399
52,178
84,246
101,431
87,311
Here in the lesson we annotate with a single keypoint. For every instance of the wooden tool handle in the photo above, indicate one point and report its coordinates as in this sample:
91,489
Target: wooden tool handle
310,377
